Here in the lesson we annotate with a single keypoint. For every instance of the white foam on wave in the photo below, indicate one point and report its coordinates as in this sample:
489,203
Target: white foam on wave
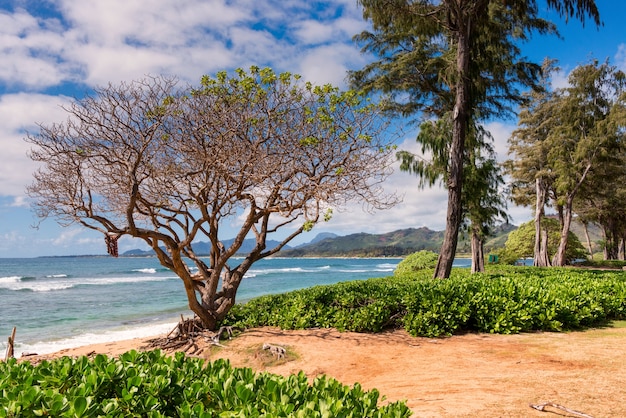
146,270
52,285
56,276
387,266
47,347
279,270
9,280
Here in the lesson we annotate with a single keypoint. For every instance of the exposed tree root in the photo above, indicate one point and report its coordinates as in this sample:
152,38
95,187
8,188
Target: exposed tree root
186,335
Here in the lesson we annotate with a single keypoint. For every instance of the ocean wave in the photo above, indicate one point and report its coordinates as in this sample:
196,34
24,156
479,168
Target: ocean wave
10,279
57,276
126,333
279,270
387,266
56,285
146,270
286,270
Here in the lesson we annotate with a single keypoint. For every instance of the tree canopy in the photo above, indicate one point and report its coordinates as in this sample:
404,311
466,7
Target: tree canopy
170,165
520,242
456,57
570,140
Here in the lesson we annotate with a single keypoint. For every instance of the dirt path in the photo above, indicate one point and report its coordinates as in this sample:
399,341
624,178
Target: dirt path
462,376
473,375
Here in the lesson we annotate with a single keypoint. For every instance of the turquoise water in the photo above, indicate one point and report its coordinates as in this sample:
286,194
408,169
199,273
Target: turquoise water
63,302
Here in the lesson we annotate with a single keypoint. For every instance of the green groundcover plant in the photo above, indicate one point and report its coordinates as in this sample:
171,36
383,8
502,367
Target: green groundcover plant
505,300
151,384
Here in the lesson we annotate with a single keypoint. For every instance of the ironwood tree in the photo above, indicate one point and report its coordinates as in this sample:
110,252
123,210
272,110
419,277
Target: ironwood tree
483,201
257,151
572,136
531,176
460,57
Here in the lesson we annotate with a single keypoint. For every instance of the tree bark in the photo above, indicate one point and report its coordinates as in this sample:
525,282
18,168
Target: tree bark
478,255
454,214
541,245
566,218
559,258
588,239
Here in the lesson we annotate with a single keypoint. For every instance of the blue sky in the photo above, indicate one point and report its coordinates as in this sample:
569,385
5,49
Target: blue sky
54,50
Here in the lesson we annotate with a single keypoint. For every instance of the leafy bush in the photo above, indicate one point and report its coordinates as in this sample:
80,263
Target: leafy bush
150,384
521,242
504,300
415,262
613,264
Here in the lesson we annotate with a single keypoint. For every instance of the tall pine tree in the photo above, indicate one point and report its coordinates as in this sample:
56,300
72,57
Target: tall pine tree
458,57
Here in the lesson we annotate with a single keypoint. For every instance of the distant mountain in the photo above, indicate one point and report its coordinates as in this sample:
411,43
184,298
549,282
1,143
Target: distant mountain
499,236
320,237
204,248
397,243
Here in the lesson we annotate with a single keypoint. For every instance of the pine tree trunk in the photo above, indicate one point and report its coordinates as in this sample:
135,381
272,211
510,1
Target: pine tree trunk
543,255
588,239
478,256
541,245
560,258
454,214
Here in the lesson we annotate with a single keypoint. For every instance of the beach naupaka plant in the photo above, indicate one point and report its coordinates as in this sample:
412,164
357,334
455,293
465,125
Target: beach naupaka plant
265,152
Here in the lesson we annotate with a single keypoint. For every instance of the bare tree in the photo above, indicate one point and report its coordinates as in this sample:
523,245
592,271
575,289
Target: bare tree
171,166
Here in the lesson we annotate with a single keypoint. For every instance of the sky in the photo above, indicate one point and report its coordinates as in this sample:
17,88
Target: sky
52,51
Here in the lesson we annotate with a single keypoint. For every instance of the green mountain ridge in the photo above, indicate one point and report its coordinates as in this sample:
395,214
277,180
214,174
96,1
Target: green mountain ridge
398,243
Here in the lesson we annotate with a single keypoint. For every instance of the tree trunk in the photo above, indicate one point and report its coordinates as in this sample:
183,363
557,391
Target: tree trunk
454,214
541,246
478,256
588,239
611,243
545,259
560,258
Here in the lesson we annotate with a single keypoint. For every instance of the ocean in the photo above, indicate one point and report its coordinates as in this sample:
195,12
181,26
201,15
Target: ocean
63,302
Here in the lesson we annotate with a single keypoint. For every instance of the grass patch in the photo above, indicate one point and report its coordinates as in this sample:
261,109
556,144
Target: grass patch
265,358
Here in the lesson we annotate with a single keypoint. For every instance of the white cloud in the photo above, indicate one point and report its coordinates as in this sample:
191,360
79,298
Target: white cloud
559,79
620,57
20,113
20,202
328,63
67,236
501,133
30,49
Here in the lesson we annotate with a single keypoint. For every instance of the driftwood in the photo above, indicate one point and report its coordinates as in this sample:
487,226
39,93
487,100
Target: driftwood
184,337
542,407
276,350
10,347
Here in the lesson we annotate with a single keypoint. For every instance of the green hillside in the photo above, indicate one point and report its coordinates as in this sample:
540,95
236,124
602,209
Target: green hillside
396,243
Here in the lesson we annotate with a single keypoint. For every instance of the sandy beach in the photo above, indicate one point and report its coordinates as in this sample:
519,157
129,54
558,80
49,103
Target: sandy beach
461,376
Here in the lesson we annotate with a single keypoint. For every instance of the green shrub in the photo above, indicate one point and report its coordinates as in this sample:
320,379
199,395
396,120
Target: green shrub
504,300
415,262
150,384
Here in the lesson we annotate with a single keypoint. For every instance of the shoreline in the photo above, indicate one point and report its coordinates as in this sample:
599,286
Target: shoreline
100,340
110,349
